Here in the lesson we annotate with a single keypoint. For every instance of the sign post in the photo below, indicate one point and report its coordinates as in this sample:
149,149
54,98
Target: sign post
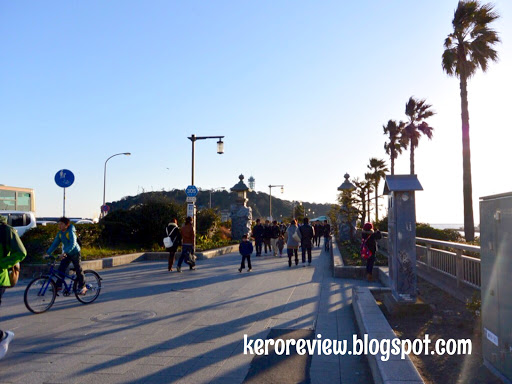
64,178
191,192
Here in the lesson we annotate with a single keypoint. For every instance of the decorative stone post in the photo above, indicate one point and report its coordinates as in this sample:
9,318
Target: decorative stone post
402,235
347,217
241,214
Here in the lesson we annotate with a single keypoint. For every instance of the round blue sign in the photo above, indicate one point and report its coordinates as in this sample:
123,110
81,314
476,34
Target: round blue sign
191,191
64,178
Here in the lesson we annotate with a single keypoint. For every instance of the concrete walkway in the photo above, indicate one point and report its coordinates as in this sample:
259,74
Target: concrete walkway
152,326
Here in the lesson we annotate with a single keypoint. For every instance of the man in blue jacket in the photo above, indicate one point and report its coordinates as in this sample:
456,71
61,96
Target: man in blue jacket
70,252
245,249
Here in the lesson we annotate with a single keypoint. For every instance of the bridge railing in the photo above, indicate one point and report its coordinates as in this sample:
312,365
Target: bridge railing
433,255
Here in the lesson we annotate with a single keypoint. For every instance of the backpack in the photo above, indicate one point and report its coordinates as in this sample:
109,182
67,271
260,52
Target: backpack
365,251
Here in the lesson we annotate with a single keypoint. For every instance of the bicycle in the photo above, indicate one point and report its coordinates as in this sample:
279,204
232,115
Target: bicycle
41,292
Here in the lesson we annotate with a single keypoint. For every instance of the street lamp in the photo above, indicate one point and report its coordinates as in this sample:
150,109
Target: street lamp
270,197
191,208
105,177
215,190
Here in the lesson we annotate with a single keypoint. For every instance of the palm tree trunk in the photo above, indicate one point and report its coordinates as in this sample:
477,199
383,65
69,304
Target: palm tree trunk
412,159
376,201
392,162
363,201
469,224
368,200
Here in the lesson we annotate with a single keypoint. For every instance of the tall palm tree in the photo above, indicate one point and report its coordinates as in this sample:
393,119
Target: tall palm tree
369,188
379,171
467,48
417,111
397,142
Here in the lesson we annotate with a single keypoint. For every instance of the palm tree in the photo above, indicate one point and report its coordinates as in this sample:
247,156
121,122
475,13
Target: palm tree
369,188
468,47
397,141
379,171
417,111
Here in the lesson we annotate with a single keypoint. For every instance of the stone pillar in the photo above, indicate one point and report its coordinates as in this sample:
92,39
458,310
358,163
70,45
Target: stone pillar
241,214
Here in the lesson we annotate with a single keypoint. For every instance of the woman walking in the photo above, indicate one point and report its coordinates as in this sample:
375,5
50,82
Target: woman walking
370,239
292,242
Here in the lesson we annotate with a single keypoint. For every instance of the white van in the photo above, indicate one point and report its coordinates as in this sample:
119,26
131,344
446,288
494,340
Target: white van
20,220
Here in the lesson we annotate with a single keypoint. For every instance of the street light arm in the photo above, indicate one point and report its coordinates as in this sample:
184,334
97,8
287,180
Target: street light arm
194,137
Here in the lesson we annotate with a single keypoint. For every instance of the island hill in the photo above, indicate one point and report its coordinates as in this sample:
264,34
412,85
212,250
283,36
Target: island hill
222,200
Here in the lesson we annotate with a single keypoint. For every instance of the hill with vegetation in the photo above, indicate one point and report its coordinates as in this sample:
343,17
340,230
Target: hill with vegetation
222,200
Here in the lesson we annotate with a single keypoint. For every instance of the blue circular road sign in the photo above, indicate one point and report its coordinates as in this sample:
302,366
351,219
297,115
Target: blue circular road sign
191,191
64,178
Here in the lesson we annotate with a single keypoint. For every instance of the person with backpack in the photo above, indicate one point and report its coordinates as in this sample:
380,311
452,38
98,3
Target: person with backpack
12,252
173,231
369,247
70,253
306,234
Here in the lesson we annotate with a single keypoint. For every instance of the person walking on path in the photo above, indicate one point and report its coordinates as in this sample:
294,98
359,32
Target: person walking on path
370,237
306,234
280,245
173,231
327,234
318,233
187,249
258,232
275,231
12,252
292,242
70,251
245,249
267,235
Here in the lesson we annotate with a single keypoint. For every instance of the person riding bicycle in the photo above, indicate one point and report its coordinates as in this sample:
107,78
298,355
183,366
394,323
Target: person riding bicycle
70,252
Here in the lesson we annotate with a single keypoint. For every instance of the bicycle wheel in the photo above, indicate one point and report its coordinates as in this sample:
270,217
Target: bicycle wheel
40,294
93,283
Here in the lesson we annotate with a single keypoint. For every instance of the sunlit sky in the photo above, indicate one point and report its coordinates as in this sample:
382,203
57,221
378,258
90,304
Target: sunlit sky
299,89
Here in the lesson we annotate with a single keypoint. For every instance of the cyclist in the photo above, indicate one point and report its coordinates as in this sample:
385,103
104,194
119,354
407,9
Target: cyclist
70,253
12,251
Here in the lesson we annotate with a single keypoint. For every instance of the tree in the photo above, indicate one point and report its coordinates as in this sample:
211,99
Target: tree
361,192
379,171
397,142
369,184
417,111
467,48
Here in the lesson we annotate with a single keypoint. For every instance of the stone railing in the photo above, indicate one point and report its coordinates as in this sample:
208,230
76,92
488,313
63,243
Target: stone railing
430,254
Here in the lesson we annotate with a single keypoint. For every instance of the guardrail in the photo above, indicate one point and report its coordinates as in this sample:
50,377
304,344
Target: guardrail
465,269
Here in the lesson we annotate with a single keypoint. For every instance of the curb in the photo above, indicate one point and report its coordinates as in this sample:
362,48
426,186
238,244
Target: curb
372,322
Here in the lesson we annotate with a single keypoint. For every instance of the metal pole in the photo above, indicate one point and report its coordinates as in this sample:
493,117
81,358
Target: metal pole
270,201
64,203
193,139
210,199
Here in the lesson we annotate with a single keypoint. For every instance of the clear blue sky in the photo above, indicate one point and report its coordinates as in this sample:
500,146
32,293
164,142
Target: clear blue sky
300,89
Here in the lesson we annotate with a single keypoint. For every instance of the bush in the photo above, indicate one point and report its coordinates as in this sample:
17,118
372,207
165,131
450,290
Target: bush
207,221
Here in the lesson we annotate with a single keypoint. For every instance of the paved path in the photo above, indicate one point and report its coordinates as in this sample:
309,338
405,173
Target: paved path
152,326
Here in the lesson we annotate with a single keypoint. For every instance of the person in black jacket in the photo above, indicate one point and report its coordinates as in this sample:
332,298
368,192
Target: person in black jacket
267,235
257,233
371,238
306,234
327,234
245,249
173,231
275,231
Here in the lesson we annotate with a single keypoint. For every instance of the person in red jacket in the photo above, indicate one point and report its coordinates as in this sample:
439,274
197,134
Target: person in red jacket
187,240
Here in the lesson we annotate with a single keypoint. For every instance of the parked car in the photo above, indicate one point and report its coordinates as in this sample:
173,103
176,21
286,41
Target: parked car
45,222
21,221
84,221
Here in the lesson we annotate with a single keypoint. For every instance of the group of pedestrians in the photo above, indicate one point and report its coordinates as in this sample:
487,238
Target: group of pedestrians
273,237
183,236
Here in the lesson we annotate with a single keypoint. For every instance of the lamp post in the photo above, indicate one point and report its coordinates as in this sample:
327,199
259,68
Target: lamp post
215,190
220,151
270,197
105,176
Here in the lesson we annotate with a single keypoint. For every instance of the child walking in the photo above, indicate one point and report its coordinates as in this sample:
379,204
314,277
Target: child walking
245,249
280,245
